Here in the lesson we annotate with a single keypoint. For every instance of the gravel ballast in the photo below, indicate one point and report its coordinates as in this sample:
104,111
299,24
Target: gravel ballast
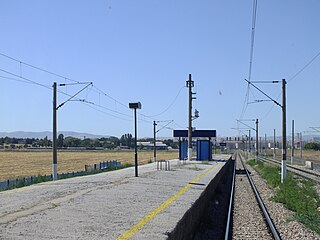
287,227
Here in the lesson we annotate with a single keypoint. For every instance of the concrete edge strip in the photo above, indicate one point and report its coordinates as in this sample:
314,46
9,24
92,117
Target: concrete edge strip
44,184
135,228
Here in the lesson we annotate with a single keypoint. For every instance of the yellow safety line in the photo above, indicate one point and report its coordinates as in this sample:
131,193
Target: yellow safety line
135,228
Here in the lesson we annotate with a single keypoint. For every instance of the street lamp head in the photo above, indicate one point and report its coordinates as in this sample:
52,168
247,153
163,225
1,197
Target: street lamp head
135,105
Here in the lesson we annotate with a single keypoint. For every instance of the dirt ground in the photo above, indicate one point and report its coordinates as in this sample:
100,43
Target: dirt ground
14,164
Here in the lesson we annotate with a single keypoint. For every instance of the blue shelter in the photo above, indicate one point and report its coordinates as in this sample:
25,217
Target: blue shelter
204,147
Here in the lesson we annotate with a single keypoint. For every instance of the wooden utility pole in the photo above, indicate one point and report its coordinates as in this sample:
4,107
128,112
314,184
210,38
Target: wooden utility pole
54,135
284,133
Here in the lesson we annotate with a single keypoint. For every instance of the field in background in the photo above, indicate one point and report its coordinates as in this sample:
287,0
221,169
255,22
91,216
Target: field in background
307,155
15,164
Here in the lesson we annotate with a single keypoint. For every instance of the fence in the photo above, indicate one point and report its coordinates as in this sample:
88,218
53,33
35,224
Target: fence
20,182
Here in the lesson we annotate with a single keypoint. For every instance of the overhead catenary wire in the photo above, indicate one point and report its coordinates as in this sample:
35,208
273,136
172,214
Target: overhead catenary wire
15,79
37,68
253,29
76,82
304,67
73,95
29,81
293,77
169,106
26,79
57,75
60,76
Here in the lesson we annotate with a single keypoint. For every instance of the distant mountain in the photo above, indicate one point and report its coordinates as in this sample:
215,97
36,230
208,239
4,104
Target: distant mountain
22,134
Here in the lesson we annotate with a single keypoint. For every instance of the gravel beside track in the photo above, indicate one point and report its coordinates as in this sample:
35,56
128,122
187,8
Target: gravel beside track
248,220
287,227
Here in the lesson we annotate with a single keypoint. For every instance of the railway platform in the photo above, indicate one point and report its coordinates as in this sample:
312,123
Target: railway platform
111,205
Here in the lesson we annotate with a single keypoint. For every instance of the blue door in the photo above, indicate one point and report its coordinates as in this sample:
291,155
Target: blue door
204,150
183,150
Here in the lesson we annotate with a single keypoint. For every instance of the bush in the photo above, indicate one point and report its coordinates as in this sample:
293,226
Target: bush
312,146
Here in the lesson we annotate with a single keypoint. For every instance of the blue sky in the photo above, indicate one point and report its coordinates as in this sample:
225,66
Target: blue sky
144,50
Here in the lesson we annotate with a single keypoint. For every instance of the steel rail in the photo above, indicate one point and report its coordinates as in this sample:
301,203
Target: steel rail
290,167
261,204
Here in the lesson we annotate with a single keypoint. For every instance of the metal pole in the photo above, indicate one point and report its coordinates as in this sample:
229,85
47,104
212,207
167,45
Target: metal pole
274,144
154,142
54,135
249,141
292,144
284,132
190,85
135,144
265,144
301,145
257,139
260,145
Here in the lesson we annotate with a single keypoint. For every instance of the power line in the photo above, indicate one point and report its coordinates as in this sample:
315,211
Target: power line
293,77
264,93
75,82
57,75
107,95
69,99
253,28
60,76
170,105
29,81
91,105
26,79
15,79
304,67
38,68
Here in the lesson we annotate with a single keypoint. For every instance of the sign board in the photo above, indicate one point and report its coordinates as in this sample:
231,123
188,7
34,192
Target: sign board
195,133
223,144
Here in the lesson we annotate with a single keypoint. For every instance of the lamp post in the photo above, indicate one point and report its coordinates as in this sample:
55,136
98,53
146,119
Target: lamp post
135,106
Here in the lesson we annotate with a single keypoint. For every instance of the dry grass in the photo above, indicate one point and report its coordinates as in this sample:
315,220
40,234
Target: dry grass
15,164
309,155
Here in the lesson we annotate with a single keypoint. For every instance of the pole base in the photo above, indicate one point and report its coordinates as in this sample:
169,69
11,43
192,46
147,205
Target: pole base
283,170
189,154
54,172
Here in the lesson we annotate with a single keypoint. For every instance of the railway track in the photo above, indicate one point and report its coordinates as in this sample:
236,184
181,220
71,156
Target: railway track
314,176
247,217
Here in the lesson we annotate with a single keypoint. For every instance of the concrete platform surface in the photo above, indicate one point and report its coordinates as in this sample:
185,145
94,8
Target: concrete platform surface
111,205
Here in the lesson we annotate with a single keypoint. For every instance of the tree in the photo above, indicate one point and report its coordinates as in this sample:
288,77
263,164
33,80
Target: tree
171,143
60,140
72,142
127,140
46,142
